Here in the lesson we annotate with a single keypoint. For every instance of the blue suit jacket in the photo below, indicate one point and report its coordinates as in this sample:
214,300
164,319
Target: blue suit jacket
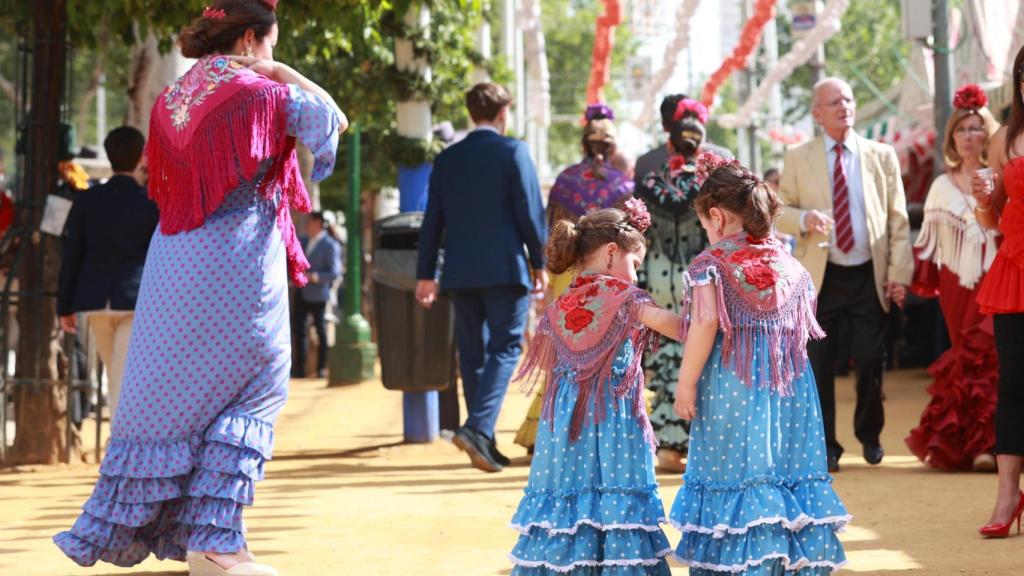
106,239
325,260
484,206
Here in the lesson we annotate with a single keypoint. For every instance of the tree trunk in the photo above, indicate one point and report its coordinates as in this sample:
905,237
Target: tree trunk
150,73
40,409
84,110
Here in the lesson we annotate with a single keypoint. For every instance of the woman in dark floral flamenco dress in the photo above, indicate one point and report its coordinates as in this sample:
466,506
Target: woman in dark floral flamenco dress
676,237
957,430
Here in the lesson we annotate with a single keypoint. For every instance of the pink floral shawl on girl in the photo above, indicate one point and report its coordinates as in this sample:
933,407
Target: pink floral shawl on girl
763,292
215,128
583,331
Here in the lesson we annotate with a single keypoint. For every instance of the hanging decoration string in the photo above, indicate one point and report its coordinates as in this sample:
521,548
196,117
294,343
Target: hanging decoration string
750,37
604,41
668,66
828,26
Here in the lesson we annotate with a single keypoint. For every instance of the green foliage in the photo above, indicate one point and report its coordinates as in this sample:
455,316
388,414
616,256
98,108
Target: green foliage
868,51
346,46
569,38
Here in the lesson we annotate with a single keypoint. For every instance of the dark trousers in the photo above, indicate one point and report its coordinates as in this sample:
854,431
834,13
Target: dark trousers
489,326
303,310
1009,329
848,304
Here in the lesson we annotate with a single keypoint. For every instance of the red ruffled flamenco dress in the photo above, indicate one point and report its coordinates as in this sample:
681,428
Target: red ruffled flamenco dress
952,253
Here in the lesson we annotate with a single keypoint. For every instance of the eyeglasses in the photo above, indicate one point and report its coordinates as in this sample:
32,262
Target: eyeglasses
973,130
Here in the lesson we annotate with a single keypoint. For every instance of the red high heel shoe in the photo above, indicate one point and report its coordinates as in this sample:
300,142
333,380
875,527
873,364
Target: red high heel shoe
1003,530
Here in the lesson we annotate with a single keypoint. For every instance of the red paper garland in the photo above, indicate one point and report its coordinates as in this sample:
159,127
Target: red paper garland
750,37
604,41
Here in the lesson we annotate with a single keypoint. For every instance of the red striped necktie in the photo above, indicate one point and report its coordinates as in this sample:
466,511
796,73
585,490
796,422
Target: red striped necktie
841,204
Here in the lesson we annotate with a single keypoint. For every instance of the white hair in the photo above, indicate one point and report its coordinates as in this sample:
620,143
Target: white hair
829,80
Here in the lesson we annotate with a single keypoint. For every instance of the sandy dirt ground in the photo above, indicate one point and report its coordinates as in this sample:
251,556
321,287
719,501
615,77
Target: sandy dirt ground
344,496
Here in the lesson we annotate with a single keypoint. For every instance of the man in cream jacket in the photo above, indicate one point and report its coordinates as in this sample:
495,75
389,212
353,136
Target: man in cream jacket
846,206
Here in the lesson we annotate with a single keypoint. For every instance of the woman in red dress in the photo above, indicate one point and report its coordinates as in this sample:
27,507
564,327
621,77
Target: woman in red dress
957,431
1002,294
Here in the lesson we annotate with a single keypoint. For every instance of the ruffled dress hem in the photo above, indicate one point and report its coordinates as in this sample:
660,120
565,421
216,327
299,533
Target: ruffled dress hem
167,497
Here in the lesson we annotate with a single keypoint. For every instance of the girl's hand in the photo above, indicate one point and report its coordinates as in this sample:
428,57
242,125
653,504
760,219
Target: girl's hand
686,401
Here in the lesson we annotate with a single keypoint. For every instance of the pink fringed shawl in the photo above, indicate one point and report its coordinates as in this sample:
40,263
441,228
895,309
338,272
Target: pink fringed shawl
763,293
583,331
213,129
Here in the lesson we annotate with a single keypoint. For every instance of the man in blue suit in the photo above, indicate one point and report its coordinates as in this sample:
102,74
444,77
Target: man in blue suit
484,209
106,239
324,254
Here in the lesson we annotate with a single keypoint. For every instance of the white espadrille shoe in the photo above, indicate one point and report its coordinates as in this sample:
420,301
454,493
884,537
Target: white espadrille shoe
200,565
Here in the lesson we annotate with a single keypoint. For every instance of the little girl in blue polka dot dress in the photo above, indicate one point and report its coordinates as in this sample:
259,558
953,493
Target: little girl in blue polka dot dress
757,498
591,505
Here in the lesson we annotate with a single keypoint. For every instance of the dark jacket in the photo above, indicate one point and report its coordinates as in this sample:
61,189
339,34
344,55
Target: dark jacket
106,239
485,209
325,261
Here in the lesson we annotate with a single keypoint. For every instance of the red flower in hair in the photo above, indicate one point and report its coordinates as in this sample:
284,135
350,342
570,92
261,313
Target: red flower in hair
689,106
637,214
708,162
970,97
213,13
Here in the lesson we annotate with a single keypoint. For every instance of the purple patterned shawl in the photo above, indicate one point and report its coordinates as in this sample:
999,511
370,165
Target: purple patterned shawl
580,189
763,292
583,331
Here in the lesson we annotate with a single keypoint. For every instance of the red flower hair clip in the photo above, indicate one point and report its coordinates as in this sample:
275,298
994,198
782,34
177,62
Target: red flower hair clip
708,162
637,214
213,13
970,97
688,105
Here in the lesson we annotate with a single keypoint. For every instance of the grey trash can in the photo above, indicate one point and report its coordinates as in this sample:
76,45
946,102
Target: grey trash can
416,346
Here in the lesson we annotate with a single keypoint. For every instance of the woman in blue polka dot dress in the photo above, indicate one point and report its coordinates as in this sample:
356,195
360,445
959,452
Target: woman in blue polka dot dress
210,352
591,505
757,498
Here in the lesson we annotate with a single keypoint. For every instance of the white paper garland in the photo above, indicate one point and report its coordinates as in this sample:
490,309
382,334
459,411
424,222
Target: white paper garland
668,66
828,26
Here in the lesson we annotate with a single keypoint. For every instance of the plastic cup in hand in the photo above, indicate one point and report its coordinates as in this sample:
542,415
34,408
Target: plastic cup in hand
988,176
827,243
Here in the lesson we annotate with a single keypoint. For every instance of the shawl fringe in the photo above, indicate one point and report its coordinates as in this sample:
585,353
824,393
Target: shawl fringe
949,240
785,330
232,143
550,358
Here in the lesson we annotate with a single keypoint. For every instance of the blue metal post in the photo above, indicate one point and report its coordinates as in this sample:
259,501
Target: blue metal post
419,409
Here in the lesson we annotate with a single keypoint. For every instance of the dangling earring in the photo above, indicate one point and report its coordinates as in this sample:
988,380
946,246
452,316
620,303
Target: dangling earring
609,261
248,52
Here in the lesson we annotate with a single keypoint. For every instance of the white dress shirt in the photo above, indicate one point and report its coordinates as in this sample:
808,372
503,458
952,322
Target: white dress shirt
861,251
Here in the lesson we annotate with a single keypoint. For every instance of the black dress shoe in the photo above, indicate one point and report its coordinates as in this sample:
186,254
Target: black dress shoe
477,447
498,456
873,454
833,463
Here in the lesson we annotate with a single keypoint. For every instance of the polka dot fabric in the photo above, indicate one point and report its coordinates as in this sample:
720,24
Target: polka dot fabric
206,376
592,506
757,498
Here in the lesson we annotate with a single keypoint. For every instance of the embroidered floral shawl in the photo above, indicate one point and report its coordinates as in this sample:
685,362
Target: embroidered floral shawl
583,331
579,189
952,237
763,293
672,187
215,128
